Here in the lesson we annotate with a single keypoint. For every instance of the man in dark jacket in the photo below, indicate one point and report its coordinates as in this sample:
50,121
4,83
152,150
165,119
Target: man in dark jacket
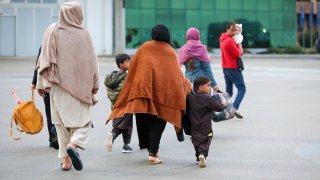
51,128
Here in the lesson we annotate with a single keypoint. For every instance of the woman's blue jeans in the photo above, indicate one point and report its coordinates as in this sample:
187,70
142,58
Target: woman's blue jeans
234,76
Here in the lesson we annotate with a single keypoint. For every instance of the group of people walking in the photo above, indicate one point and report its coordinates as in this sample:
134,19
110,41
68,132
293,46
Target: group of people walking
150,85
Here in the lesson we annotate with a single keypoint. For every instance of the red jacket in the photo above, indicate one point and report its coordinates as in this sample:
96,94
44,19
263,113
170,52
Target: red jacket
230,51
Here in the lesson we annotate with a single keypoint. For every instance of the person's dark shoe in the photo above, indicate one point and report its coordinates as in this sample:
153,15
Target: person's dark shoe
127,149
54,140
238,115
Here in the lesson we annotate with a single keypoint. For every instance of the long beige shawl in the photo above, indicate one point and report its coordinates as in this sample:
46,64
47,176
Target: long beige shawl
68,58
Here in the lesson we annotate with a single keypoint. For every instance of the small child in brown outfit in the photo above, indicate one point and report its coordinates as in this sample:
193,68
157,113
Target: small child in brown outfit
201,106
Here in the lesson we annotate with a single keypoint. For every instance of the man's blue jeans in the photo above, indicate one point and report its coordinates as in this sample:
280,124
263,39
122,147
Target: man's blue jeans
234,76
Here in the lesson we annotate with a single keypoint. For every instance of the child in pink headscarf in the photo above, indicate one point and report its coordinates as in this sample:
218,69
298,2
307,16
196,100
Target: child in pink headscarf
194,56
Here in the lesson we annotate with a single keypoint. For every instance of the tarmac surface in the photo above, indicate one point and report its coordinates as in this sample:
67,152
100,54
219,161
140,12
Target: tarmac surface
279,137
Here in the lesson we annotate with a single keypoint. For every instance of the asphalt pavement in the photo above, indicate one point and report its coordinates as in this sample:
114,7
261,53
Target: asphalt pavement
279,137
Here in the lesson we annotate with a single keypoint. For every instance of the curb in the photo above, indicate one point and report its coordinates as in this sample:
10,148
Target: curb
257,56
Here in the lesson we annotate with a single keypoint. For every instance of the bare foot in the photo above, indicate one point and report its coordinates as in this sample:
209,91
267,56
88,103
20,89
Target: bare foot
154,160
66,163
72,145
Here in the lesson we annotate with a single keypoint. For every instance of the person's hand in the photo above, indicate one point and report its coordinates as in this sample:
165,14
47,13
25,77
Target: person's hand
216,88
94,91
191,86
41,92
33,87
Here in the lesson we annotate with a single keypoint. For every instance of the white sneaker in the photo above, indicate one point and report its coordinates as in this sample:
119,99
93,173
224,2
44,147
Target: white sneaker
238,115
202,161
109,142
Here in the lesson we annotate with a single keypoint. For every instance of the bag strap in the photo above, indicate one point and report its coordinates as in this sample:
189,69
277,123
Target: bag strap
11,131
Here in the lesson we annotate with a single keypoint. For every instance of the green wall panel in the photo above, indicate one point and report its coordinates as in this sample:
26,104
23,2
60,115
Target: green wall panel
147,3
263,5
249,5
192,18
265,22
207,4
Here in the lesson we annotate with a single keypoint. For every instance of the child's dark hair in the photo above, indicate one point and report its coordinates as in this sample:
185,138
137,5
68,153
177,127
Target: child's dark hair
201,80
120,58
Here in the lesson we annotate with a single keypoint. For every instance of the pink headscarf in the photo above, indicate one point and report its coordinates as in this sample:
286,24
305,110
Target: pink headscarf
193,48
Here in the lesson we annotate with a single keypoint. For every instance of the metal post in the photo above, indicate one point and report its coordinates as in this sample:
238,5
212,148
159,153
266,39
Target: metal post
318,21
311,23
118,22
303,34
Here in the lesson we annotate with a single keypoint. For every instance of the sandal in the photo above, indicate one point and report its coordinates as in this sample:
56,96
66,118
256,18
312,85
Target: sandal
154,160
65,169
75,158
155,155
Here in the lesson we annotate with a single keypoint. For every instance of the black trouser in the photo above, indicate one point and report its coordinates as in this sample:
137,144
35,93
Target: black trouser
203,147
150,129
126,134
51,127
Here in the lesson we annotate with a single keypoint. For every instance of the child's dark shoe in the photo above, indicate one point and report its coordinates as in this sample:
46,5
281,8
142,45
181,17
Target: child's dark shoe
127,149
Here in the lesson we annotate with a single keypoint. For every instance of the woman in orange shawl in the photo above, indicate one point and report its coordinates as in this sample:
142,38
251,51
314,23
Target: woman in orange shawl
155,90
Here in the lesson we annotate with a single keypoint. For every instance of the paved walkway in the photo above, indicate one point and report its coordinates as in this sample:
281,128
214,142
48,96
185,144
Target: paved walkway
278,138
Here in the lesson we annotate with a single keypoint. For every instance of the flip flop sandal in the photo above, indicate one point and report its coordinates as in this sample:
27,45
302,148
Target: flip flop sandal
65,169
158,161
75,158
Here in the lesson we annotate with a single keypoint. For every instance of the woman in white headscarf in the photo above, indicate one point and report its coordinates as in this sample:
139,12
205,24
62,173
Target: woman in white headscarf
68,68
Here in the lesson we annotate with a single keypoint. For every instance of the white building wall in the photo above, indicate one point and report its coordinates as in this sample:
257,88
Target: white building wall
99,22
22,25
